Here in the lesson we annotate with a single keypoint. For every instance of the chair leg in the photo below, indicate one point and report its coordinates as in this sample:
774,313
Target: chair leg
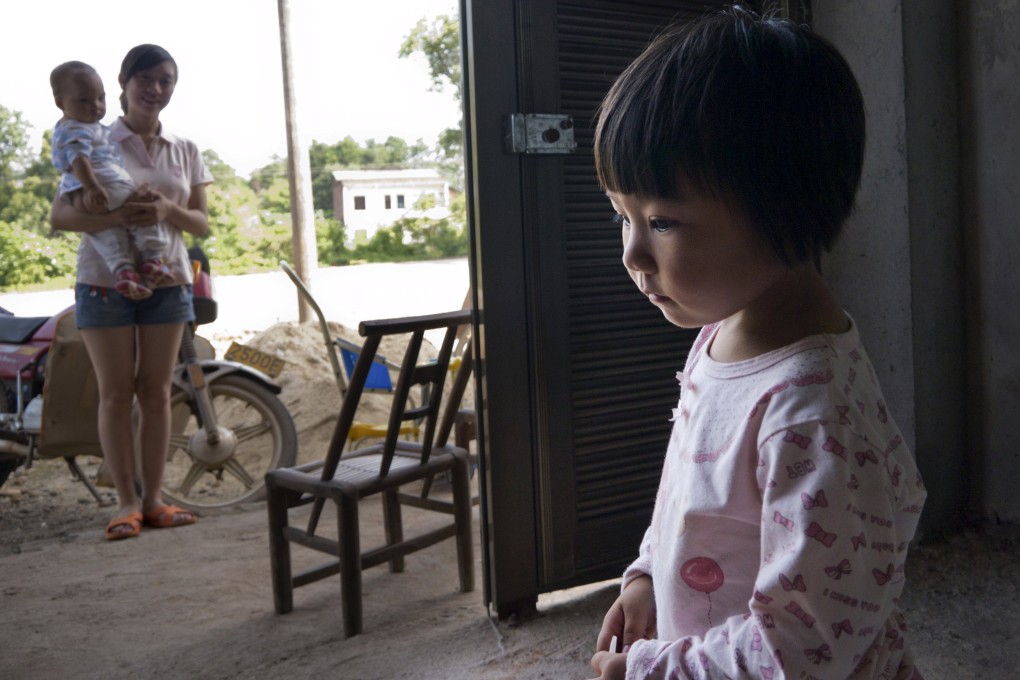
350,564
279,549
462,516
394,526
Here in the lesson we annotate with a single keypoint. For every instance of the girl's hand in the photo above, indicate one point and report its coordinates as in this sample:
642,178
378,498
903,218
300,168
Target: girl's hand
632,616
609,666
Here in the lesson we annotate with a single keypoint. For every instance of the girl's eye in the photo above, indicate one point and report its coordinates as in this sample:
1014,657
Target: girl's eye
659,224
619,219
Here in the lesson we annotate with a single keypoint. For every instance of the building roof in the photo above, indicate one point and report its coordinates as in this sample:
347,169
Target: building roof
386,175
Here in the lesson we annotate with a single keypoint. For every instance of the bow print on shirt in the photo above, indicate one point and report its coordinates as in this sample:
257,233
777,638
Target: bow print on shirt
819,501
842,627
883,577
816,532
817,656
796,584
840,570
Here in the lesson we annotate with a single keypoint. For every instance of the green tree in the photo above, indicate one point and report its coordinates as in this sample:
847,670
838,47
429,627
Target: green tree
15,155
264,176
30,253
439,42
331,239
28,257
42,166
222,172
25,198
275,198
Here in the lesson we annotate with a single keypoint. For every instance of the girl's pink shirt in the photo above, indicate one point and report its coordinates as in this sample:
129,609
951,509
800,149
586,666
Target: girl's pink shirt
787,502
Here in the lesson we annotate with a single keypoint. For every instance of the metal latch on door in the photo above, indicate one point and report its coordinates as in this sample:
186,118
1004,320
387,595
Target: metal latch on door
548,133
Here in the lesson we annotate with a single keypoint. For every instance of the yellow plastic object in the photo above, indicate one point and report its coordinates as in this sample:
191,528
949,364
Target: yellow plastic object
361,431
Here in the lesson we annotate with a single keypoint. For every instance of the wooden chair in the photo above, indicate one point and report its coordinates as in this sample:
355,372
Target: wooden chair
379,469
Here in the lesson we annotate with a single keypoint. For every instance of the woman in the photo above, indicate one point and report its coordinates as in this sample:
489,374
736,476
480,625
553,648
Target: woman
133,344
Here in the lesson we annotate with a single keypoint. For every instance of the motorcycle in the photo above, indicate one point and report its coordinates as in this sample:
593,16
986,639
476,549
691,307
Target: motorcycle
228,426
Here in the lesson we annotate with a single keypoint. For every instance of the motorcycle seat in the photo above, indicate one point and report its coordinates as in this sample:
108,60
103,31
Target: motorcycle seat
18,330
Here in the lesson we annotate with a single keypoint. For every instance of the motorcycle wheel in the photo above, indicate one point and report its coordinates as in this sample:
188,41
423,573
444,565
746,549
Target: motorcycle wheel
257,435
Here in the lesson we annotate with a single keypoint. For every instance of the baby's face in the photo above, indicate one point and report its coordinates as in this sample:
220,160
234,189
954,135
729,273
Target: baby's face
83,97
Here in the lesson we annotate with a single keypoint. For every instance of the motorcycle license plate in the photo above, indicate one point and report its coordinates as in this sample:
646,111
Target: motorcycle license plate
249,356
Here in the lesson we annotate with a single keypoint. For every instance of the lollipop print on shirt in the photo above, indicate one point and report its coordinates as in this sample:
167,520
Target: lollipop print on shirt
704,575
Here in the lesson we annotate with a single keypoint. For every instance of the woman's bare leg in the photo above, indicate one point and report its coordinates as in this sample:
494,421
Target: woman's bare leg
157,355
112,352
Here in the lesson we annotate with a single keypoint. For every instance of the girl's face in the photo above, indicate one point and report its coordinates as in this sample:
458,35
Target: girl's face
149,91
697,260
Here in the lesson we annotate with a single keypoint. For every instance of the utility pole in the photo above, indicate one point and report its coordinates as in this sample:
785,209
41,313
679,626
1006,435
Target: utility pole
302,213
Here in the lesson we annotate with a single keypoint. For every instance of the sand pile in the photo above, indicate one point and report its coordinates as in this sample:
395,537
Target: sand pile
310,390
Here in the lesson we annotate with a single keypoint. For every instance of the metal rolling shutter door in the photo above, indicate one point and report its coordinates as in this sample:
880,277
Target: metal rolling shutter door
623,355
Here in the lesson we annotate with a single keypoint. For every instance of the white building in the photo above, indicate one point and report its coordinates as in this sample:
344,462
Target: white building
367,200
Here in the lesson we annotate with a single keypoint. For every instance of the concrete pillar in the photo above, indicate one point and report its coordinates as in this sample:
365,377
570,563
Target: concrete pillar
898,268
990,198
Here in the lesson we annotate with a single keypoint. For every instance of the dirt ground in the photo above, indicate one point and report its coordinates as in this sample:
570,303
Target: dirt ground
196,602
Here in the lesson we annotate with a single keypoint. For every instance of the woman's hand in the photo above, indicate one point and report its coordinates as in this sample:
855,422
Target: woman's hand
146,207
65,216
631,618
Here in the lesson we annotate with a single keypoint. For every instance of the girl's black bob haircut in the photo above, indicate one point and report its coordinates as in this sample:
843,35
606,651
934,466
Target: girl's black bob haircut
757,111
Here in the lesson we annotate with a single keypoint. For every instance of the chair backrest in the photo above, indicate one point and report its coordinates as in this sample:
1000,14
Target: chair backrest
413,373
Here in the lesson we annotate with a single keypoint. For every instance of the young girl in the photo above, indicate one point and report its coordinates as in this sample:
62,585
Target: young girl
731,150
133,343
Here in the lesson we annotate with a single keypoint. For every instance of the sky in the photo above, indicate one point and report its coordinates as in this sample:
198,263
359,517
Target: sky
348,78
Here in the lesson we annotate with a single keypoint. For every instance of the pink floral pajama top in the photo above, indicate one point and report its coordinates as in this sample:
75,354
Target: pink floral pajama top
787,501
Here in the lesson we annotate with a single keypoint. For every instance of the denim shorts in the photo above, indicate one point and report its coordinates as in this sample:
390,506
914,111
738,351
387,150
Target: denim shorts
98,307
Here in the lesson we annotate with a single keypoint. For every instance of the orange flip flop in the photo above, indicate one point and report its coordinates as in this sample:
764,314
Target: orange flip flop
132,520
169,516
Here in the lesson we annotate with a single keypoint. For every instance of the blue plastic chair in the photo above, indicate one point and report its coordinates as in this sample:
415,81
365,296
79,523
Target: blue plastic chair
378,380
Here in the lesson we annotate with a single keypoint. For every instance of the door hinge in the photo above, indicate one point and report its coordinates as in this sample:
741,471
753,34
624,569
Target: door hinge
540,133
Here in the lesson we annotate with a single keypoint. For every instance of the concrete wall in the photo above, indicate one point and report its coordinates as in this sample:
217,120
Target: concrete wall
871,265
936,245
927,265
990,141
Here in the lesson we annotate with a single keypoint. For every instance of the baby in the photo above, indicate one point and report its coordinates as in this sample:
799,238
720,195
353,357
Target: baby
94,180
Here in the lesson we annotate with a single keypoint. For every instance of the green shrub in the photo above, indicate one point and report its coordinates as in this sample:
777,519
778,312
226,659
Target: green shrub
28,257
